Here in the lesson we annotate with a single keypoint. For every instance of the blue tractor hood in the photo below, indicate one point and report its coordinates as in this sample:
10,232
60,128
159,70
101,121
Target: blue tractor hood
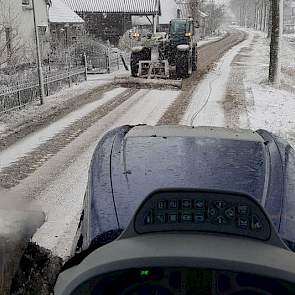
131,162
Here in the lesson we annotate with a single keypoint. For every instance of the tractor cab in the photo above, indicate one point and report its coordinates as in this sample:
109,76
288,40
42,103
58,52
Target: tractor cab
181,30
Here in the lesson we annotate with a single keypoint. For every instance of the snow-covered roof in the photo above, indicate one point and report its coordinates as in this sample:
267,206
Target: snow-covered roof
135,7
60,12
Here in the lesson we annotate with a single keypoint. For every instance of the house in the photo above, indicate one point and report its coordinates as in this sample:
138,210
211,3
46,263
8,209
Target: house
170,12
110,19
289,16
204,24
183,8
66,27
17,35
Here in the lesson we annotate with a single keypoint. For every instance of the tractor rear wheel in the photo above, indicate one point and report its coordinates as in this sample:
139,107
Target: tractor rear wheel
134,64
183,65
195,59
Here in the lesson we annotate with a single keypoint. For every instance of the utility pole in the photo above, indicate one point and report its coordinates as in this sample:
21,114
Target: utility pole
193,6
39,62
275,43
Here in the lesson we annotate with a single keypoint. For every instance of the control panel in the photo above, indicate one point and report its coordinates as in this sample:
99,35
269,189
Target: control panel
210,212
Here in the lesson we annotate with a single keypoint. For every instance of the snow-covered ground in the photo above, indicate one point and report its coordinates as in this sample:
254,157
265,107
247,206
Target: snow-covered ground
265,106
208,40
271,108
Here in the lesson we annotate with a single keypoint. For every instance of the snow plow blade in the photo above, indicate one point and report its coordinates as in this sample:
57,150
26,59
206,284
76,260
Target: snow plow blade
147,83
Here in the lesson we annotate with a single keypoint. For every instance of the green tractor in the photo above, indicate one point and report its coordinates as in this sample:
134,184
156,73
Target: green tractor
163,55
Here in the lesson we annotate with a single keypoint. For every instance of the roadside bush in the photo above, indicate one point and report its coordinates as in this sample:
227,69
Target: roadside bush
73,55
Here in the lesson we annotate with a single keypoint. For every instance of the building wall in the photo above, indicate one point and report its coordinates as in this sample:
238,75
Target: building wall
19,17
65,35
106,27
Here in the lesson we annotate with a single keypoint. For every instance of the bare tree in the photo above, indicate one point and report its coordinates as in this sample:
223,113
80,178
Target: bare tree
194,7
252,13
275,43
9,39
268,17
215,13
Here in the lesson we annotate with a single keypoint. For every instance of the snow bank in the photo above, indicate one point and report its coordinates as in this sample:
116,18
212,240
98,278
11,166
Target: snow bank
268,107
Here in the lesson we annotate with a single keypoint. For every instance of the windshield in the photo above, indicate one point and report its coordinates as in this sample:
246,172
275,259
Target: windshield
72,73
178,27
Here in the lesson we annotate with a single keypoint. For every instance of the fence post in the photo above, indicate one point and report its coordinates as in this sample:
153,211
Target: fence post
108,61
118,61
47,84
85,64
18,96
69,76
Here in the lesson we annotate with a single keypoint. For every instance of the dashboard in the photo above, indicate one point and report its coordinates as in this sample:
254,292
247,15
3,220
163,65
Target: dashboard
182,281
203,211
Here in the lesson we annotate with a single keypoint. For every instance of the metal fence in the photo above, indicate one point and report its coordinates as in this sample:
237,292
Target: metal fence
104,63
20,93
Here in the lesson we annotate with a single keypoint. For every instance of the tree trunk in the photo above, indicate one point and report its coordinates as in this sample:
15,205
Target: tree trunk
275,44
265,20
269,20
261,16
194,10
256,17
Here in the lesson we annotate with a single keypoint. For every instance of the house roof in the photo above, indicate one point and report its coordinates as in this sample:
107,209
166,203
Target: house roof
170,12
134,7
60,12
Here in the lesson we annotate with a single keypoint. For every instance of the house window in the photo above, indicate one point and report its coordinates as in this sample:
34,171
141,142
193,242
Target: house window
26,2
